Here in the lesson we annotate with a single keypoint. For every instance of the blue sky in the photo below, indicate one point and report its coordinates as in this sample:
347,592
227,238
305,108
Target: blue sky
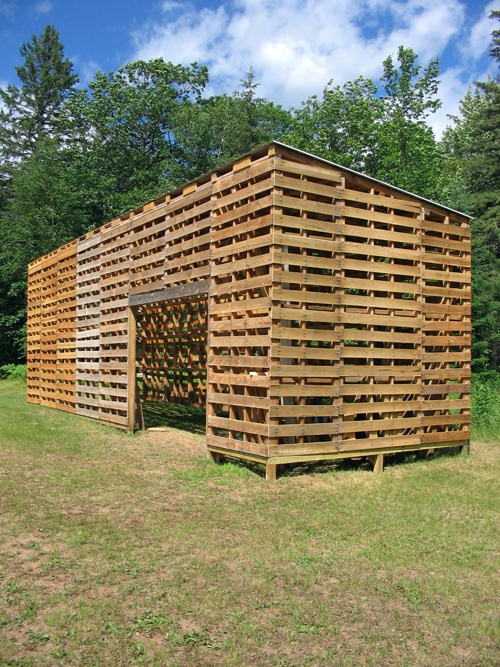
294,46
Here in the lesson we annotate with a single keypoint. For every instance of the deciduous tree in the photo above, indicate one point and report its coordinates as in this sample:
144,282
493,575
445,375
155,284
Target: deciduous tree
215,130
382,133
127,143
407,148
342,126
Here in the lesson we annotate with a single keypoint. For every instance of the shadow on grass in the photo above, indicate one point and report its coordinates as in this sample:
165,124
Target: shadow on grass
298,469
192,419
350,464
174,415
362,463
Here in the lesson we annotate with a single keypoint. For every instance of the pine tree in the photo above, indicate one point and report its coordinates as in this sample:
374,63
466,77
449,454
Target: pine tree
471,181
483,182
32,111
32,180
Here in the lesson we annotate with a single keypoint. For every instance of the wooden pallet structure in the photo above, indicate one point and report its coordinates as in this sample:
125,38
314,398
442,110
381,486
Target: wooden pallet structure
316,312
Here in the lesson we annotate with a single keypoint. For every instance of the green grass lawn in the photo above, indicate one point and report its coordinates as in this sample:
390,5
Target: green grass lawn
134,550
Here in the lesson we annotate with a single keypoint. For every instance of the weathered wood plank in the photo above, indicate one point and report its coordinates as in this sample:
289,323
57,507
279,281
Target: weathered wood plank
167,294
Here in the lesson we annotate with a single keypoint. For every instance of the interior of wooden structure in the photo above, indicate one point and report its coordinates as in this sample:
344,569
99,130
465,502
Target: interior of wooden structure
316,312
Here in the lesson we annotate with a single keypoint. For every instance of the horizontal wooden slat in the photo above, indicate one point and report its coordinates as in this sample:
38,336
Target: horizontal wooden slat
313,304
178,292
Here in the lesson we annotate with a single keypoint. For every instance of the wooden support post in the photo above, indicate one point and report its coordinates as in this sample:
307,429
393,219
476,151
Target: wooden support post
378,462
215,457
139,415
271,472
465,449
131,406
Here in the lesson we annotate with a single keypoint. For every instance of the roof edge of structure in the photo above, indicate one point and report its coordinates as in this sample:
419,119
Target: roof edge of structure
264,147
261,149
362,175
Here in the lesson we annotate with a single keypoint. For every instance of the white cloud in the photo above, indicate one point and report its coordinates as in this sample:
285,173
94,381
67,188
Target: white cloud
43,7
7,9
426,26
477,41
297,46
473,45
168,6
184,39
451,90
87,71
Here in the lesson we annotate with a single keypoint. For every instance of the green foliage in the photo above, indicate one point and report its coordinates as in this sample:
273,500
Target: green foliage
216,130
485,405
495,37
408,152
342,127
33,111
408,94
12,321
381,133
38,211
125,123
455,147
46,208
257,119
13,372
471,181
483,181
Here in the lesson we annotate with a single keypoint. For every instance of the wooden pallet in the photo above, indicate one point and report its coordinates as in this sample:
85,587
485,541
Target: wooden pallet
51,329
318,313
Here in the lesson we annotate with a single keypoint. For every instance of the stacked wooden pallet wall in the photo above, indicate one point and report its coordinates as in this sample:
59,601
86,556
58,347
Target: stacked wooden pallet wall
33,329
102,323
52,329
180,361
88,308
317,312
147,247
446,328
382,312
187,241
170,269
371,318
239,341
66,326
114,323
147,268
306,295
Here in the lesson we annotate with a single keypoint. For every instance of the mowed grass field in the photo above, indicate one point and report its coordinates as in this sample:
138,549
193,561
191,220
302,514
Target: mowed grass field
120,549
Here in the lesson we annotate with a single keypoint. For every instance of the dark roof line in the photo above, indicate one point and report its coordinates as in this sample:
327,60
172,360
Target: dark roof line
375,180
263,147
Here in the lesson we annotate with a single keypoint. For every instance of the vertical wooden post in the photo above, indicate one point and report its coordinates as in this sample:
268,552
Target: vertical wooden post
465,449
210,382
377,461
271,472
214,457
131,378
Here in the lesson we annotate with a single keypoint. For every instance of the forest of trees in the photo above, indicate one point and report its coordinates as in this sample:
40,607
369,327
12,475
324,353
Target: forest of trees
73,158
